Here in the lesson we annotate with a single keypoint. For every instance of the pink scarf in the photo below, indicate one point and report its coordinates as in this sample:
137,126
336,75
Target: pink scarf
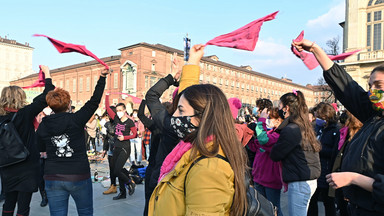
173,157
343,136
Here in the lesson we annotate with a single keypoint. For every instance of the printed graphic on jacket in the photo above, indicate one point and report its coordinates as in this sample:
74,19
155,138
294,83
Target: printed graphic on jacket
62,147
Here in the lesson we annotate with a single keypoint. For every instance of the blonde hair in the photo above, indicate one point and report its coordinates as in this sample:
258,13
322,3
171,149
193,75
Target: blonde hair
12,97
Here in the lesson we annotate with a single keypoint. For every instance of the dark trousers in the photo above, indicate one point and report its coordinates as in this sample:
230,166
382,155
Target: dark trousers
91,141
23,199
329,203
120,157
111,170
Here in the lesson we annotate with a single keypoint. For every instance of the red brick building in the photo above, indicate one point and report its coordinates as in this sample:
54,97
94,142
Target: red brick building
140,66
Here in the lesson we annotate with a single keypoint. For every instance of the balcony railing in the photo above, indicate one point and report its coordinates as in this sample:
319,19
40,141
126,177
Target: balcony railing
371,55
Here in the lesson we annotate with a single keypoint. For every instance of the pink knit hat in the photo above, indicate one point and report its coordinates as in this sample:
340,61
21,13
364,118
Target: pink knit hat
235,105
335,107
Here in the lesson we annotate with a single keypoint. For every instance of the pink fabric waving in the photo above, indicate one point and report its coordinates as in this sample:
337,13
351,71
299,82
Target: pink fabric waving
40,82
244,38
310,60
63,47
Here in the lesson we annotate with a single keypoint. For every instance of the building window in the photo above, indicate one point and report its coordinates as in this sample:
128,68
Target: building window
247,87
95,81
81,84
153,81
146,82
201,77
208,79
379,2
377,36
153,53
67,85
221,81
115,80
238,85
214,80
226,82
88,84
368,17
242,86
369,29
153,67
74,85
376,15
233,83
252,87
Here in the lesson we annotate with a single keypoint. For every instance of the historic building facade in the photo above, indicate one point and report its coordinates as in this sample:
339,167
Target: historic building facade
363,29
140,66
15,61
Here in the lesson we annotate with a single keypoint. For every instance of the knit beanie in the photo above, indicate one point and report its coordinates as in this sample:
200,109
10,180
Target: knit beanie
235,105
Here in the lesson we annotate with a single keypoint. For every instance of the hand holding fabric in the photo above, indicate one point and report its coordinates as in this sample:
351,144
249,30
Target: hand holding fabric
45,70
195,54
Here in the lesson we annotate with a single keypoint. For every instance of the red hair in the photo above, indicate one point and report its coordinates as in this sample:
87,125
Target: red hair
58,99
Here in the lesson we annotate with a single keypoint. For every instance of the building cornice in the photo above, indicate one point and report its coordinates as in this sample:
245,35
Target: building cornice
207,59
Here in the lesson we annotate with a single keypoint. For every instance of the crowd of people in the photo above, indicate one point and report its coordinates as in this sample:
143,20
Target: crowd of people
202,146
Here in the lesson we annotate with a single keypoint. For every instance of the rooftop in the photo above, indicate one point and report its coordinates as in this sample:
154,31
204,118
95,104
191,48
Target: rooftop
14,42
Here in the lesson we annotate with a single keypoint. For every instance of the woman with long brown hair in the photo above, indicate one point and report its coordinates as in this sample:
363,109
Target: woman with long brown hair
215,182
298,150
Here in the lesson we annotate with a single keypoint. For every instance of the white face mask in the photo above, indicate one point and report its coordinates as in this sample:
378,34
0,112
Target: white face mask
120,114
102,122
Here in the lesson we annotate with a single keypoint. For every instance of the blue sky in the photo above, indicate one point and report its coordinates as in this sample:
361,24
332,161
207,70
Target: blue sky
106,26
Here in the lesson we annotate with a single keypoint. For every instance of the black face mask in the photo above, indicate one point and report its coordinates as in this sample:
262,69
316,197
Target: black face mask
281,113
182,125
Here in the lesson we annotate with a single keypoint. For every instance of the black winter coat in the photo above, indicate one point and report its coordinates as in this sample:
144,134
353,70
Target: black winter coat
364,153
298,164
24,176
162,120
329,139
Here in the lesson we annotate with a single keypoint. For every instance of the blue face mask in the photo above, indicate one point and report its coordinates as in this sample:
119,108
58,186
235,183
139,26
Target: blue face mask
320,122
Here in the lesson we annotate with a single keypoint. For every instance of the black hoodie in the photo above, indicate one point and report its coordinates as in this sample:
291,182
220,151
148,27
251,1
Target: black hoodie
61,135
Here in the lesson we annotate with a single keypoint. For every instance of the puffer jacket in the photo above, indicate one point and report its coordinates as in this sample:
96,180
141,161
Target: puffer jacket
364,153
298,164
209,188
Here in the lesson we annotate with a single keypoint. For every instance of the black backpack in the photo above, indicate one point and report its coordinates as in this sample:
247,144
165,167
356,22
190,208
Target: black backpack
12,148
258,205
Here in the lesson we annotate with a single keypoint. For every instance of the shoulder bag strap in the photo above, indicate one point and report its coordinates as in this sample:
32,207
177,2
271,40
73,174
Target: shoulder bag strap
196,161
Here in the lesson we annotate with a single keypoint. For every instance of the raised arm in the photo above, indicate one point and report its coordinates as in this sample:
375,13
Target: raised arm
323,59
110,112
82,116
191,71
346,90
39,102
146,121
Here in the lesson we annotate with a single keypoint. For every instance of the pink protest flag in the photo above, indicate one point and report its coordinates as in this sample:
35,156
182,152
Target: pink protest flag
244,38
310,60
40,82
135,100
63,47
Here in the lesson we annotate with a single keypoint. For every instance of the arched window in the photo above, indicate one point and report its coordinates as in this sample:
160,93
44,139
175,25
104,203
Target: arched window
374,25
376,2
